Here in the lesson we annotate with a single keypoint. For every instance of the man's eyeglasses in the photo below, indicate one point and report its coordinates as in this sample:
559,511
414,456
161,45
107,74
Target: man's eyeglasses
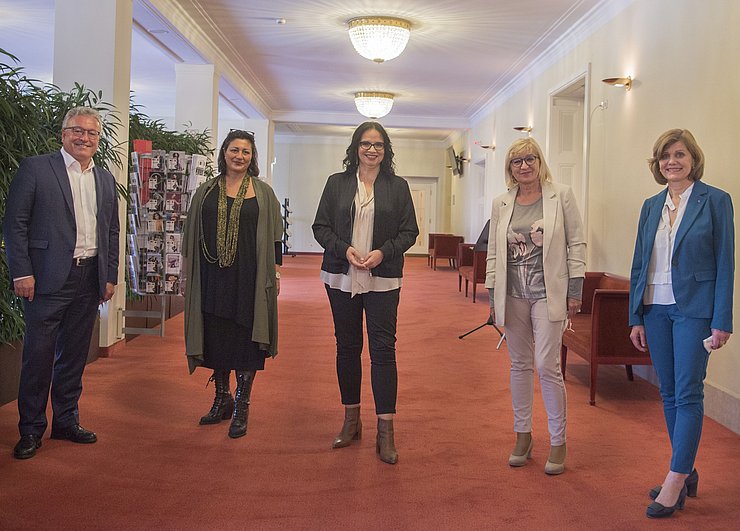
529,159
379,146
93,134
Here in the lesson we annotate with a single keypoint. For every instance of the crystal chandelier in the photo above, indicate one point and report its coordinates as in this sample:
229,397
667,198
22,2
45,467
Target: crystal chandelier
374,104
379,38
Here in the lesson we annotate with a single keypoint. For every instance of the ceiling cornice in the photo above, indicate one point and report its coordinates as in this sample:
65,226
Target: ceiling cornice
587,25
214,52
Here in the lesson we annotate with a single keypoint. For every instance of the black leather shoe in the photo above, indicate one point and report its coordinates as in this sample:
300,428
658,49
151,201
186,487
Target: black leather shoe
692,486
26,447
74,433
657,510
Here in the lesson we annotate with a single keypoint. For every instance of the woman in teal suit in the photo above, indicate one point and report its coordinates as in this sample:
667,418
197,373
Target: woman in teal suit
681,298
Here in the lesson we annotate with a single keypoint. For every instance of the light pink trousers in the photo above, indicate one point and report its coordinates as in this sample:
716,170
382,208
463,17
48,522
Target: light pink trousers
534,341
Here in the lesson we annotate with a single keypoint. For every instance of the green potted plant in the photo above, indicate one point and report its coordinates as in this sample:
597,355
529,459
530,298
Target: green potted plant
31,114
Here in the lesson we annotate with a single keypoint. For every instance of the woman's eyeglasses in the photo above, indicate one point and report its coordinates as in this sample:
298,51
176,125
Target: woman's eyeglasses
529,159
379,146
250,133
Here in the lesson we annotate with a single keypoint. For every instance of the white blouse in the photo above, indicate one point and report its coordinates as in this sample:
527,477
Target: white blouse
659,289
359,281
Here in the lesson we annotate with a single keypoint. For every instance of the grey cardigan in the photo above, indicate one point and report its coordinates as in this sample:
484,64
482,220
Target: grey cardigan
269,231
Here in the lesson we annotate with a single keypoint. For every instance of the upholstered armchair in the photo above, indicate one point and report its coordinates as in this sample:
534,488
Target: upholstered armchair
445,247
465,257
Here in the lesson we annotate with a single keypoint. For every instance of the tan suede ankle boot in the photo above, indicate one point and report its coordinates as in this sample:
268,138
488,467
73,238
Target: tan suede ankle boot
351,429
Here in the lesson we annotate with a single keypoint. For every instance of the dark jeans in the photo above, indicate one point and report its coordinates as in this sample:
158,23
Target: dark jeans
381,312
58,331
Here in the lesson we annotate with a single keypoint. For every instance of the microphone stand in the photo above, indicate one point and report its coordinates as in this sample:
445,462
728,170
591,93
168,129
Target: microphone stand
489,322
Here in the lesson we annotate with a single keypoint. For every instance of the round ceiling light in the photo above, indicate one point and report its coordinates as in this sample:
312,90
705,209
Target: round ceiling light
379,38
373,104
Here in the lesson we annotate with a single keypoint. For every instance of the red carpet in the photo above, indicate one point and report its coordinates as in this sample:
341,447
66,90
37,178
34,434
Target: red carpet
154,467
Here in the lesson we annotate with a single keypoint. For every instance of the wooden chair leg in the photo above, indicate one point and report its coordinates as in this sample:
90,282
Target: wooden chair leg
475,284
594,370
459,283
466,287
630,375
434,263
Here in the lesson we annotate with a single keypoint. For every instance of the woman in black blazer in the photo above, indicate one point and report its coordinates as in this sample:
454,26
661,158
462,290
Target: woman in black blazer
365,222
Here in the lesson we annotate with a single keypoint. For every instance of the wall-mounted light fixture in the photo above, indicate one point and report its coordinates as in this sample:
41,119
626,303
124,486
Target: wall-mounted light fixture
484,146
625,82
524,129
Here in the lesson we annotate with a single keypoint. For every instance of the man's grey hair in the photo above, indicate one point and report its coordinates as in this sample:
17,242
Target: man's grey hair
82,111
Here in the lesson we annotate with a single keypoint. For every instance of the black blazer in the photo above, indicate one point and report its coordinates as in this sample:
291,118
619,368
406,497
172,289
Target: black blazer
40,229
394,228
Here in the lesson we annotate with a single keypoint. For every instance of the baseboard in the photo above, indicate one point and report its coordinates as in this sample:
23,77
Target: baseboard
722,407
110,350
295,253
719,405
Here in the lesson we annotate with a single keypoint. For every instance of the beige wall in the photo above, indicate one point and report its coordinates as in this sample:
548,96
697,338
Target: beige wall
683,55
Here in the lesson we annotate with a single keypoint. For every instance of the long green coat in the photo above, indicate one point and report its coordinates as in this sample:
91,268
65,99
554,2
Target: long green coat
269,231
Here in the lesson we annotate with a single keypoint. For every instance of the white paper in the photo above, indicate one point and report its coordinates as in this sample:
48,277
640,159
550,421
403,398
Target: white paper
708,344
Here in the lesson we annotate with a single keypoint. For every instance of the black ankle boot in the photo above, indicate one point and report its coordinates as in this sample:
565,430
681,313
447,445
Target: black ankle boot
244,380
223,404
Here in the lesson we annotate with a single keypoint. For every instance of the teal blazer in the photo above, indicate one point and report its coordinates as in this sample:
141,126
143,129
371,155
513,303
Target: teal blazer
703,262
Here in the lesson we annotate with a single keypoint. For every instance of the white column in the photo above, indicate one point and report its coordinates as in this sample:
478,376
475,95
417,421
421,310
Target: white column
92,47
196,98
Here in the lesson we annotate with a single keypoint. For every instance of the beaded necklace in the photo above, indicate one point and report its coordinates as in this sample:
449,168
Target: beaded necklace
227,230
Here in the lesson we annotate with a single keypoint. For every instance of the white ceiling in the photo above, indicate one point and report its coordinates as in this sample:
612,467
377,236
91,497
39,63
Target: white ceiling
302,74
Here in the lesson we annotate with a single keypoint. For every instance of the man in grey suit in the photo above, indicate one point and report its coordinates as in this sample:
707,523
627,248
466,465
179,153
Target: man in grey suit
61,237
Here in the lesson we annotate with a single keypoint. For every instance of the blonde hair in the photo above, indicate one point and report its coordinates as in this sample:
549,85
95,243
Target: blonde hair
665,141
519,147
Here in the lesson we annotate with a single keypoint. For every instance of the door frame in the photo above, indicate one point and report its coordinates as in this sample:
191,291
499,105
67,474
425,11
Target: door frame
584,76
431,184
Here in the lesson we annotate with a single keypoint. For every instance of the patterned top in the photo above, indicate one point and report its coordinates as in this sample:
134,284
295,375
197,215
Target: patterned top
525,235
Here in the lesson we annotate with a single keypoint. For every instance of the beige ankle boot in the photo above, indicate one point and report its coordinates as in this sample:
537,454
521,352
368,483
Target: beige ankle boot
556,461
351,429
522,449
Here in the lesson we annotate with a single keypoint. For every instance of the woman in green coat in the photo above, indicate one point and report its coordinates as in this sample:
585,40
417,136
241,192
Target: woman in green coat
232,254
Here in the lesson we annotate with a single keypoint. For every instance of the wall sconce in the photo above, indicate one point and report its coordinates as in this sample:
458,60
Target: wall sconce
524,129
625,82
482,146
